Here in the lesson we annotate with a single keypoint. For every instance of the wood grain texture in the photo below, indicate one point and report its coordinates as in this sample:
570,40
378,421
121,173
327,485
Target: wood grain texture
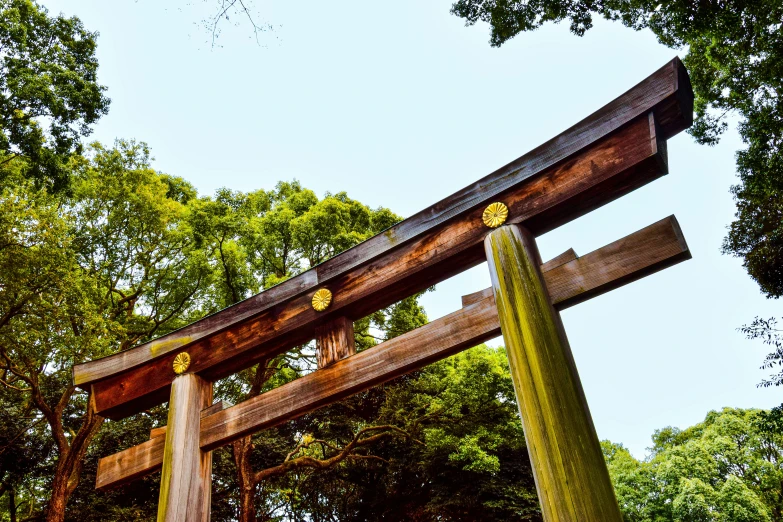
141,459
565,257
607,169
666,94
475,297
571,477
334,341
361,370
220,405
186,477
637,255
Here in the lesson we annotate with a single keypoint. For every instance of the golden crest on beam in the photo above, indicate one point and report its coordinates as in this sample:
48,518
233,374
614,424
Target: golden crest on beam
181,362
495,214
322,299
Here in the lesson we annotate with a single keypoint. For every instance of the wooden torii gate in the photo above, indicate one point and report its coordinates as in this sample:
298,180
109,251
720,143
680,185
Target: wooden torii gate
617,149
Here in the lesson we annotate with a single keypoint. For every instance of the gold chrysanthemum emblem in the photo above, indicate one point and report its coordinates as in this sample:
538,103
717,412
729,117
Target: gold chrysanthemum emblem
181,362
495,214
322,299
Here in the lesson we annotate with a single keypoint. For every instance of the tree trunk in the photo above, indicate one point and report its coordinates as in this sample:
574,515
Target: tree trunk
246,479
55,511
12,504
243,448
69,467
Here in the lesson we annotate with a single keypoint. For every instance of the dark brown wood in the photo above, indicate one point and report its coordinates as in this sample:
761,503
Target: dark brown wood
666,94
607,169
475,323
387,360
334,341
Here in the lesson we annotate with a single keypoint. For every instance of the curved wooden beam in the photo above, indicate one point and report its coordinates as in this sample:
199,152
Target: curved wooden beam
611,152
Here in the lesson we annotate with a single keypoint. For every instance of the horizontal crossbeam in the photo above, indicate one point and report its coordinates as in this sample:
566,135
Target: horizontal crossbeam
569,279
282,317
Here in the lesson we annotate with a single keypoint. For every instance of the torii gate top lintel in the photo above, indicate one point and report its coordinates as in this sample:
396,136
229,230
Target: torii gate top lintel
622,144
615,150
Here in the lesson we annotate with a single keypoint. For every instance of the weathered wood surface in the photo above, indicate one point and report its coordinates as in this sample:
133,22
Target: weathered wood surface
475,323
571,477
334,341
606,169
565,257
666,93
220,405
142,459
642,253
186,478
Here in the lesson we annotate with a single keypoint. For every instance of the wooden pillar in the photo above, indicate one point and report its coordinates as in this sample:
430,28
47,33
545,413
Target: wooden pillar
186,480
571,477
334,341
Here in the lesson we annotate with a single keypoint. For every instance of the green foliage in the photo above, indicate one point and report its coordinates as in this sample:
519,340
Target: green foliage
82,275
466,458
49,95
769,333
725,469
735,60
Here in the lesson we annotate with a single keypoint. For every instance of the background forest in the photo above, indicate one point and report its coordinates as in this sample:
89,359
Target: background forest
100,251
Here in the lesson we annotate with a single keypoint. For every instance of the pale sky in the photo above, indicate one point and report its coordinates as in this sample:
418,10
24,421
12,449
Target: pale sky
400,105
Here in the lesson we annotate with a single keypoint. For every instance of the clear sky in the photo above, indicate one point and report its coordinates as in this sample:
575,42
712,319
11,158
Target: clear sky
401,105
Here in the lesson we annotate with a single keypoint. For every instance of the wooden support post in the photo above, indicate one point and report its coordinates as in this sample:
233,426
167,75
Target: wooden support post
571,477
186,480
334,341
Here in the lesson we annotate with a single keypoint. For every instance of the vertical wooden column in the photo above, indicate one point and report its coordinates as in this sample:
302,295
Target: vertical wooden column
571,477
334,341
186,480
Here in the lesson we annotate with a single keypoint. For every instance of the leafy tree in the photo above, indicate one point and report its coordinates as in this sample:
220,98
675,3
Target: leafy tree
49,95
82,276
725,469
735,59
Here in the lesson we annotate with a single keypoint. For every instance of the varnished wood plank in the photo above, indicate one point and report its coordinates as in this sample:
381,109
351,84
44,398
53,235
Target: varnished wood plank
390,359
130,464
666,94
622,161
220,405
637,255
475,297
661,238
572,480
443,337
565,257
334,341
186,477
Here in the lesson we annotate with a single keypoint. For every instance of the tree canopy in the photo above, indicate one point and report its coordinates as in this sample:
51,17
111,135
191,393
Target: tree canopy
128,254
49,94
727,468
84,275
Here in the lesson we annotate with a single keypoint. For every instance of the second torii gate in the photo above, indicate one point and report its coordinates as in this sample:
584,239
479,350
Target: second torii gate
617,149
